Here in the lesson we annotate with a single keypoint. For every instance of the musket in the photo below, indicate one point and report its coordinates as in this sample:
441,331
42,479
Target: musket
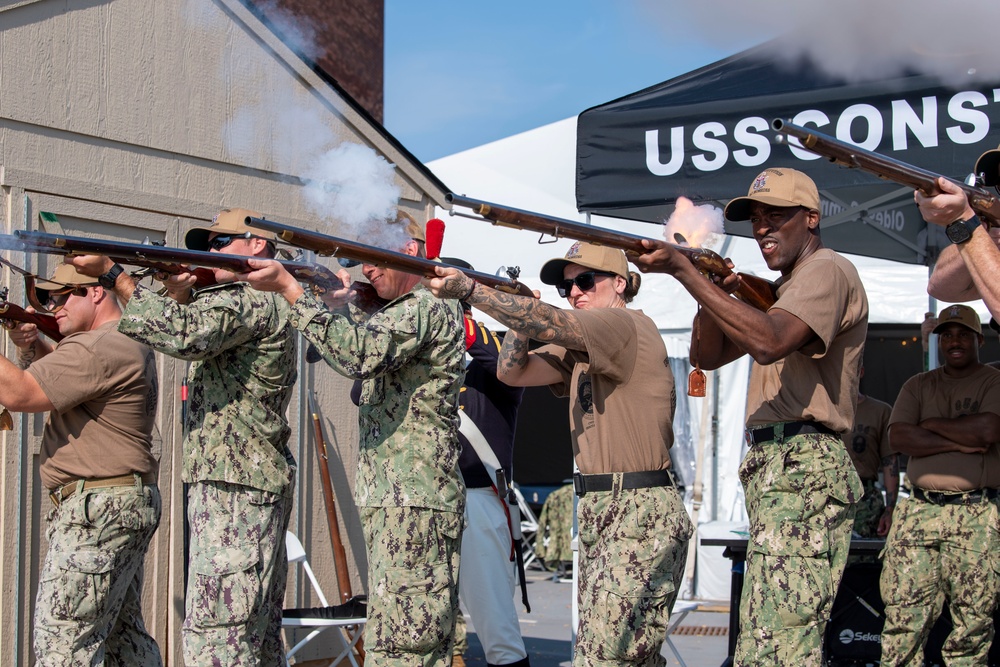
10,314
164,259
339,553
331,246
983,202
757,292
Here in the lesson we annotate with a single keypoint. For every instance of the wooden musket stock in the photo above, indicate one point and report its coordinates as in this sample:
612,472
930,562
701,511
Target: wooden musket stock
757,292
983,202
331,246
45,323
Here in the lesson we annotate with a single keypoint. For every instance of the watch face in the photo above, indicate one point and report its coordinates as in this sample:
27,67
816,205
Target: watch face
958,232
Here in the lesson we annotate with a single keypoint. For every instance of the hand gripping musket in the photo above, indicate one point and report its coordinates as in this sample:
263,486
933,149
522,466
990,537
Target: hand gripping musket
163,259
325,245
983,202
11,314
757,292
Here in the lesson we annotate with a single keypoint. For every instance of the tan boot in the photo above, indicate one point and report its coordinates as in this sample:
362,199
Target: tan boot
457,660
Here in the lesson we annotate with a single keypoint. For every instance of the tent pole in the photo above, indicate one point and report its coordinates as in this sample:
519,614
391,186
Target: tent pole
930,355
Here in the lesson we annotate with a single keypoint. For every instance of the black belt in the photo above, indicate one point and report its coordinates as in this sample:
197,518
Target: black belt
964,498
584,484
756,436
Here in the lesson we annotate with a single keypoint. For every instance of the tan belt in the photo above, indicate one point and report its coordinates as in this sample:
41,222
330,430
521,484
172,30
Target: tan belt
63,492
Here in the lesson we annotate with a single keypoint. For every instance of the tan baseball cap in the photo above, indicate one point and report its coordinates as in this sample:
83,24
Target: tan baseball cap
226,221
598,257
988,165
65,276
777,186
959,314
413,228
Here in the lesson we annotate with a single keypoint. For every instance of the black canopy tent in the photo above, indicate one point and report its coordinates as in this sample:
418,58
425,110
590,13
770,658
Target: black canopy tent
705,135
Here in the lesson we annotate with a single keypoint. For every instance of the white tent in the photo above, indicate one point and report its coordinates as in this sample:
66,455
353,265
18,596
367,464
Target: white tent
535,171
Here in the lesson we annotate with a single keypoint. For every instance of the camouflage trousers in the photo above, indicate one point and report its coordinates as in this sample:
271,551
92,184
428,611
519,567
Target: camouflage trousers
937,552
88,609
237,573
869,510
413,561
800,496
633,548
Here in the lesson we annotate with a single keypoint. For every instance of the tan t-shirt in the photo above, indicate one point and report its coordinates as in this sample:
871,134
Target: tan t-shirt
868,441
103,387
819,381
621,392
935,394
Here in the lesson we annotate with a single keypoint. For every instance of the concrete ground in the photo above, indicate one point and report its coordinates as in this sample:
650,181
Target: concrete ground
701,639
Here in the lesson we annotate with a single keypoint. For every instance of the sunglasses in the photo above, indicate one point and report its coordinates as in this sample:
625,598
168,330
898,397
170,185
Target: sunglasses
585,281
54,300
223,240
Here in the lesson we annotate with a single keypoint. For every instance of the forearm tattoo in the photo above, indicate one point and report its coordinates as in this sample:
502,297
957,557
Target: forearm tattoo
26,356
513,353
532,317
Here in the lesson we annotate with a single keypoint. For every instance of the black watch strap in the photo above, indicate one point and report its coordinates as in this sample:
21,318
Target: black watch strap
960,231
108,280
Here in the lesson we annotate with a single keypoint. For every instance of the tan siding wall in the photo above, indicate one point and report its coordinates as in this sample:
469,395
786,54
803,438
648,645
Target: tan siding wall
114,117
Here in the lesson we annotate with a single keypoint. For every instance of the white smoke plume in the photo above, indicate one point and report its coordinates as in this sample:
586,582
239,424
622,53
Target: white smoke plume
701,226
855,39
348,186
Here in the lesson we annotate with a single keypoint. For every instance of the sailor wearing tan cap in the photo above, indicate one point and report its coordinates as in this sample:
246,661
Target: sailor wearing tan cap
99,388
236,458
800,484
967,269
944,543
611,362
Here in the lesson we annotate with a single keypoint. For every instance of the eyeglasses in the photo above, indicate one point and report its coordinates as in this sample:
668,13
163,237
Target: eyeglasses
585,281
54,300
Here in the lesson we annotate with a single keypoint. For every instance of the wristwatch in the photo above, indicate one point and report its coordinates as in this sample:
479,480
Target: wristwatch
107,280
960,231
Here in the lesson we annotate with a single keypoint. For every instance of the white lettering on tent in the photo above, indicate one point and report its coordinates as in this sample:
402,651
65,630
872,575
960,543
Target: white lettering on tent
923,127
745,135
657,168
751,145
957,109
702,139
866,112
817,118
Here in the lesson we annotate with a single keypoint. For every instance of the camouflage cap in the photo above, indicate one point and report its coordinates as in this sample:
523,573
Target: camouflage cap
226,221
776,186
65,275
598,257
959,314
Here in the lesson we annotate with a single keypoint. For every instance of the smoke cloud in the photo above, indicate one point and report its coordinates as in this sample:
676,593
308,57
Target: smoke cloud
857,40
701,226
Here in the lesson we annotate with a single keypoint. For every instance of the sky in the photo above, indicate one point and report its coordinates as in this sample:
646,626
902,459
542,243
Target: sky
462,74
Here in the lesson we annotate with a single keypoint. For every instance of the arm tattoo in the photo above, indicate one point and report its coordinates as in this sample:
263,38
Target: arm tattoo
532,317
513,353
25,357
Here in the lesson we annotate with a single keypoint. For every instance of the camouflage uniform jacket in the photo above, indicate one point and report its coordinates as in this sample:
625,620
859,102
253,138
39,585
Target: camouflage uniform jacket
410,356
244,356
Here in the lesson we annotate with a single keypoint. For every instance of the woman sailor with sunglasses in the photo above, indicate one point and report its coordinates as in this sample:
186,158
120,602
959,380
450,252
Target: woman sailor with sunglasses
612,363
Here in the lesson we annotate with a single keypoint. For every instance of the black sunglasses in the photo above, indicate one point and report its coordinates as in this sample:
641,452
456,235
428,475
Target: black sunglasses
585,281
219,242
54,300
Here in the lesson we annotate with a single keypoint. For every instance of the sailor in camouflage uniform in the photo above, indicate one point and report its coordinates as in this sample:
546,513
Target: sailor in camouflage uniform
868,445
100,389
611,362
236,457
409,356
944,543
800,484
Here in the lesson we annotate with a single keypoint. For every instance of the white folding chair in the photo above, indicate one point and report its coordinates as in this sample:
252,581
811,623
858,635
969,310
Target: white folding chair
677,615
529,527
351,629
